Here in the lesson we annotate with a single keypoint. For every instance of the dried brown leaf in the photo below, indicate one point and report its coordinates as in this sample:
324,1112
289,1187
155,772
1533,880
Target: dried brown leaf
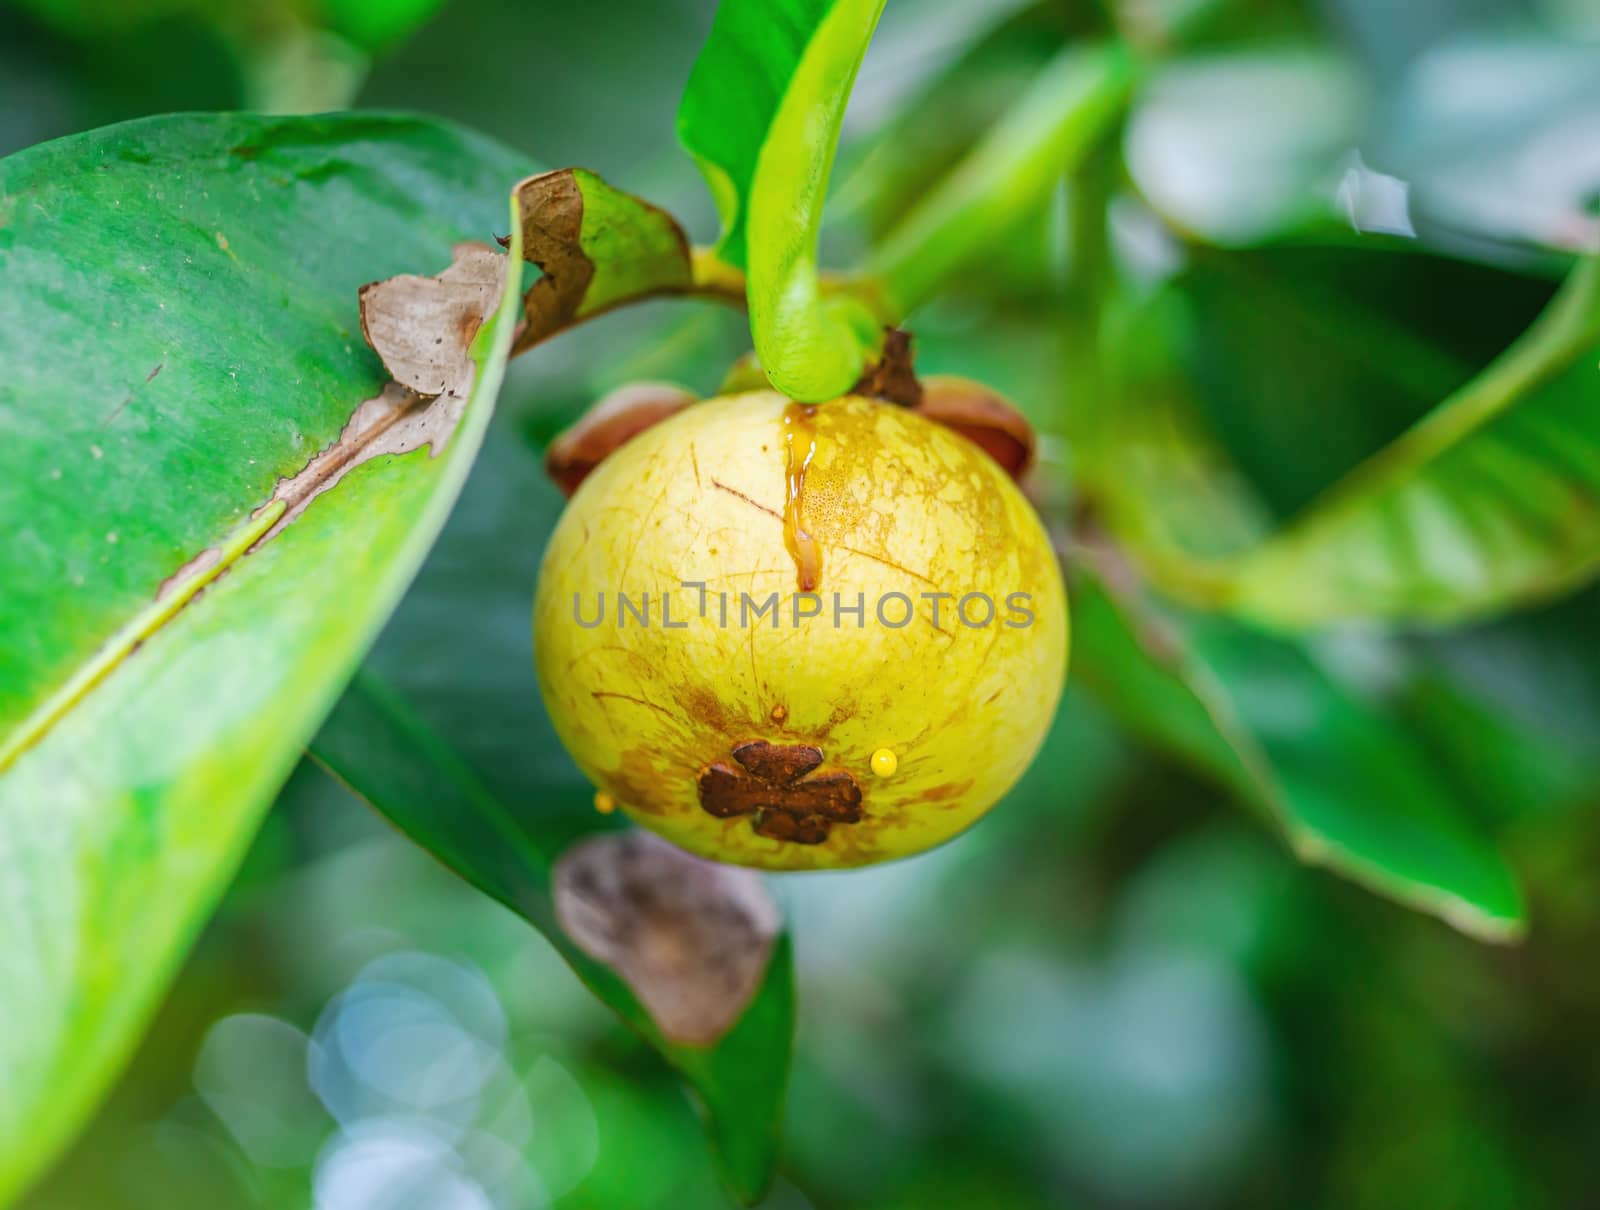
596,247
551,208
690,938
423,327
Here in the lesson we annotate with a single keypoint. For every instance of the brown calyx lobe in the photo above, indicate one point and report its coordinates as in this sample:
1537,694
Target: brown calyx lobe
983,417
609,424
779,787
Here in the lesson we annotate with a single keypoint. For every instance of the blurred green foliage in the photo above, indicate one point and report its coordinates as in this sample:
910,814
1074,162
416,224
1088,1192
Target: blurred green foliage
1121,990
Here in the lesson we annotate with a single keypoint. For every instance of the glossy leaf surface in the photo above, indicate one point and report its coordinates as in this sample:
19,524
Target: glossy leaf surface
1350,788
180,332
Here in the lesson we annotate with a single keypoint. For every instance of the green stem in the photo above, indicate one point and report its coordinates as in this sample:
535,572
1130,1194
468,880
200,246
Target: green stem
1049,131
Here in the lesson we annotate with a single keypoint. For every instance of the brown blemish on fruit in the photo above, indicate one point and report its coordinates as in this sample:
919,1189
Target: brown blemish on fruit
842,712
690,938
799,448
776,785
946,792
702,705
628,697
892,566
779,713
637,780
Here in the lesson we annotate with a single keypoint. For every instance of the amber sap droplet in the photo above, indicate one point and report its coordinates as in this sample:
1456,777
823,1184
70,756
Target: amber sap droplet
799,448
604,803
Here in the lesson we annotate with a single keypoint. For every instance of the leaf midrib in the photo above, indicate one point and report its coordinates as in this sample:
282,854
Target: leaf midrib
126,639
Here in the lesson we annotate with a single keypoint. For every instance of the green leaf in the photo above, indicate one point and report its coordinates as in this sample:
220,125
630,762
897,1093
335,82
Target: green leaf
941,105
1154,471
942,109
92,18
1308,360
741,81
761,115
1349,787
178,319
597,248
388,756
1486,503
1518,774
1492,500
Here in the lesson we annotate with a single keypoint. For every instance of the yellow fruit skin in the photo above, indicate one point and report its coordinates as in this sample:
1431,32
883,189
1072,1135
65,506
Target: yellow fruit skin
898,504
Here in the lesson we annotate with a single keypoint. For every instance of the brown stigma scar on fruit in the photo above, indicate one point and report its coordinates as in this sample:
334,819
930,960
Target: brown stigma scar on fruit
775,786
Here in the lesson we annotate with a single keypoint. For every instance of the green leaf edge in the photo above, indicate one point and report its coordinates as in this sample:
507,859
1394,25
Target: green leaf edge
813,344
1249,583
70,1106
813,348
1247,771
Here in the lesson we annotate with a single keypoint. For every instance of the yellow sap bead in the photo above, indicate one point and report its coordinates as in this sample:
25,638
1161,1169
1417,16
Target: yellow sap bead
884,762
